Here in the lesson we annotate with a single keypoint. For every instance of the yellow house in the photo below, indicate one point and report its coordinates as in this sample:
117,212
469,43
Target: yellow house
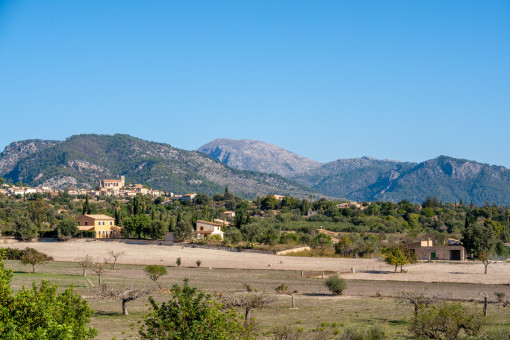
103,226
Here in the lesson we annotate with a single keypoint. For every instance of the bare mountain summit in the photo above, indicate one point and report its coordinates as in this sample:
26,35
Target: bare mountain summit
258,156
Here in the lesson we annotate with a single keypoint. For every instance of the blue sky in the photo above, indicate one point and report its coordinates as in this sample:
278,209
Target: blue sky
405,80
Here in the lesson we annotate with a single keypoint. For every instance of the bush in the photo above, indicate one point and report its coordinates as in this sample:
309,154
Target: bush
336,284
41,313
191,314
363,332
445,321
85,234
11,253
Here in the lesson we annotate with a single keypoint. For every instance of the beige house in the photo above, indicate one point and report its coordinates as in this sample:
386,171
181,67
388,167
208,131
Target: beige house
205,228
229,213
426,251
113,183
103,226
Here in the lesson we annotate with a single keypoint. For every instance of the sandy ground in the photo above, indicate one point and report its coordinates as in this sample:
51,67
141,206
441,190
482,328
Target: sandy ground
365,269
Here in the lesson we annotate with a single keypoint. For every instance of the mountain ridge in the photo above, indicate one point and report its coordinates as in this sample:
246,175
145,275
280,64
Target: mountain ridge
245,154
82,160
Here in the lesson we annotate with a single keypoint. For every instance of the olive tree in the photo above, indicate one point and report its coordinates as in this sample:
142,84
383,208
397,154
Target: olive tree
32,257
191,314
155,272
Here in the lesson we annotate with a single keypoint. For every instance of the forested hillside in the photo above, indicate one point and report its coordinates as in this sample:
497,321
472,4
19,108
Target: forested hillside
82,160
447,178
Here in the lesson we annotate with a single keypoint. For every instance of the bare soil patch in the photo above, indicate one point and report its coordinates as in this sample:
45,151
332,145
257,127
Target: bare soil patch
136,252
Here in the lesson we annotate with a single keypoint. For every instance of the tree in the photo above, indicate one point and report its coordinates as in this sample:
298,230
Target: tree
155,272
115,255
484,256
66,228
322,241
137,225
156,230
178,262
445,321
25,229
100,268
418,300
269,203
478,237
122,293
33,257
40,313
336,284
191,314
85,263
86,206
183,231
248,301
397,257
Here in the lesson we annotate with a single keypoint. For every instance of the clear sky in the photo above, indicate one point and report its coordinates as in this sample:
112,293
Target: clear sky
404,80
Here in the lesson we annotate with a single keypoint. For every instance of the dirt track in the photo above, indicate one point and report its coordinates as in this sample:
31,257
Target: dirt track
366,269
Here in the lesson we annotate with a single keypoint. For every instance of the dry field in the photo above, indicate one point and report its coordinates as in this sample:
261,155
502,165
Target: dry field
365,269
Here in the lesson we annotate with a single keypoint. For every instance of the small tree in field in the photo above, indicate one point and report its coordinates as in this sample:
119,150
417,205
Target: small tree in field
191,314
485,258
397,258
178,262
248,302
85,263
418,300
100,268
33,257
123,294
115,255
336,284
155,272
445,321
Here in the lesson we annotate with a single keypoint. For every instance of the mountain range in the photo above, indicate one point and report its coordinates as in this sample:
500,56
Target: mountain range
369,179
82,160
248,168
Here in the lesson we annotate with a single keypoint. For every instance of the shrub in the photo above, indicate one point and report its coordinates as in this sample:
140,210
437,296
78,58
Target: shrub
336,284
363,332
198,263
11,253
445,321
178,262
42,313
191,314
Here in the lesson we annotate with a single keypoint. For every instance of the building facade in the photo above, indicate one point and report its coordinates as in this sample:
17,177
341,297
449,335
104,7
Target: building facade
103,226
426,251
206,228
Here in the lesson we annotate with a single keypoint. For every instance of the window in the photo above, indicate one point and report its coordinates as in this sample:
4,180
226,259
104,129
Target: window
111,223
201,228
86,223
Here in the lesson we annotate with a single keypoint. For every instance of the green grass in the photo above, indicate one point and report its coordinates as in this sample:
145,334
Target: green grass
316,308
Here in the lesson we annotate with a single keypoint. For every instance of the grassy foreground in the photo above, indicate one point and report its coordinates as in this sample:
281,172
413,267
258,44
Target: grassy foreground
364,302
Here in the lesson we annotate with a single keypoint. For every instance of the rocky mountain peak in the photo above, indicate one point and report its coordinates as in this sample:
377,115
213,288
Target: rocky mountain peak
254,155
